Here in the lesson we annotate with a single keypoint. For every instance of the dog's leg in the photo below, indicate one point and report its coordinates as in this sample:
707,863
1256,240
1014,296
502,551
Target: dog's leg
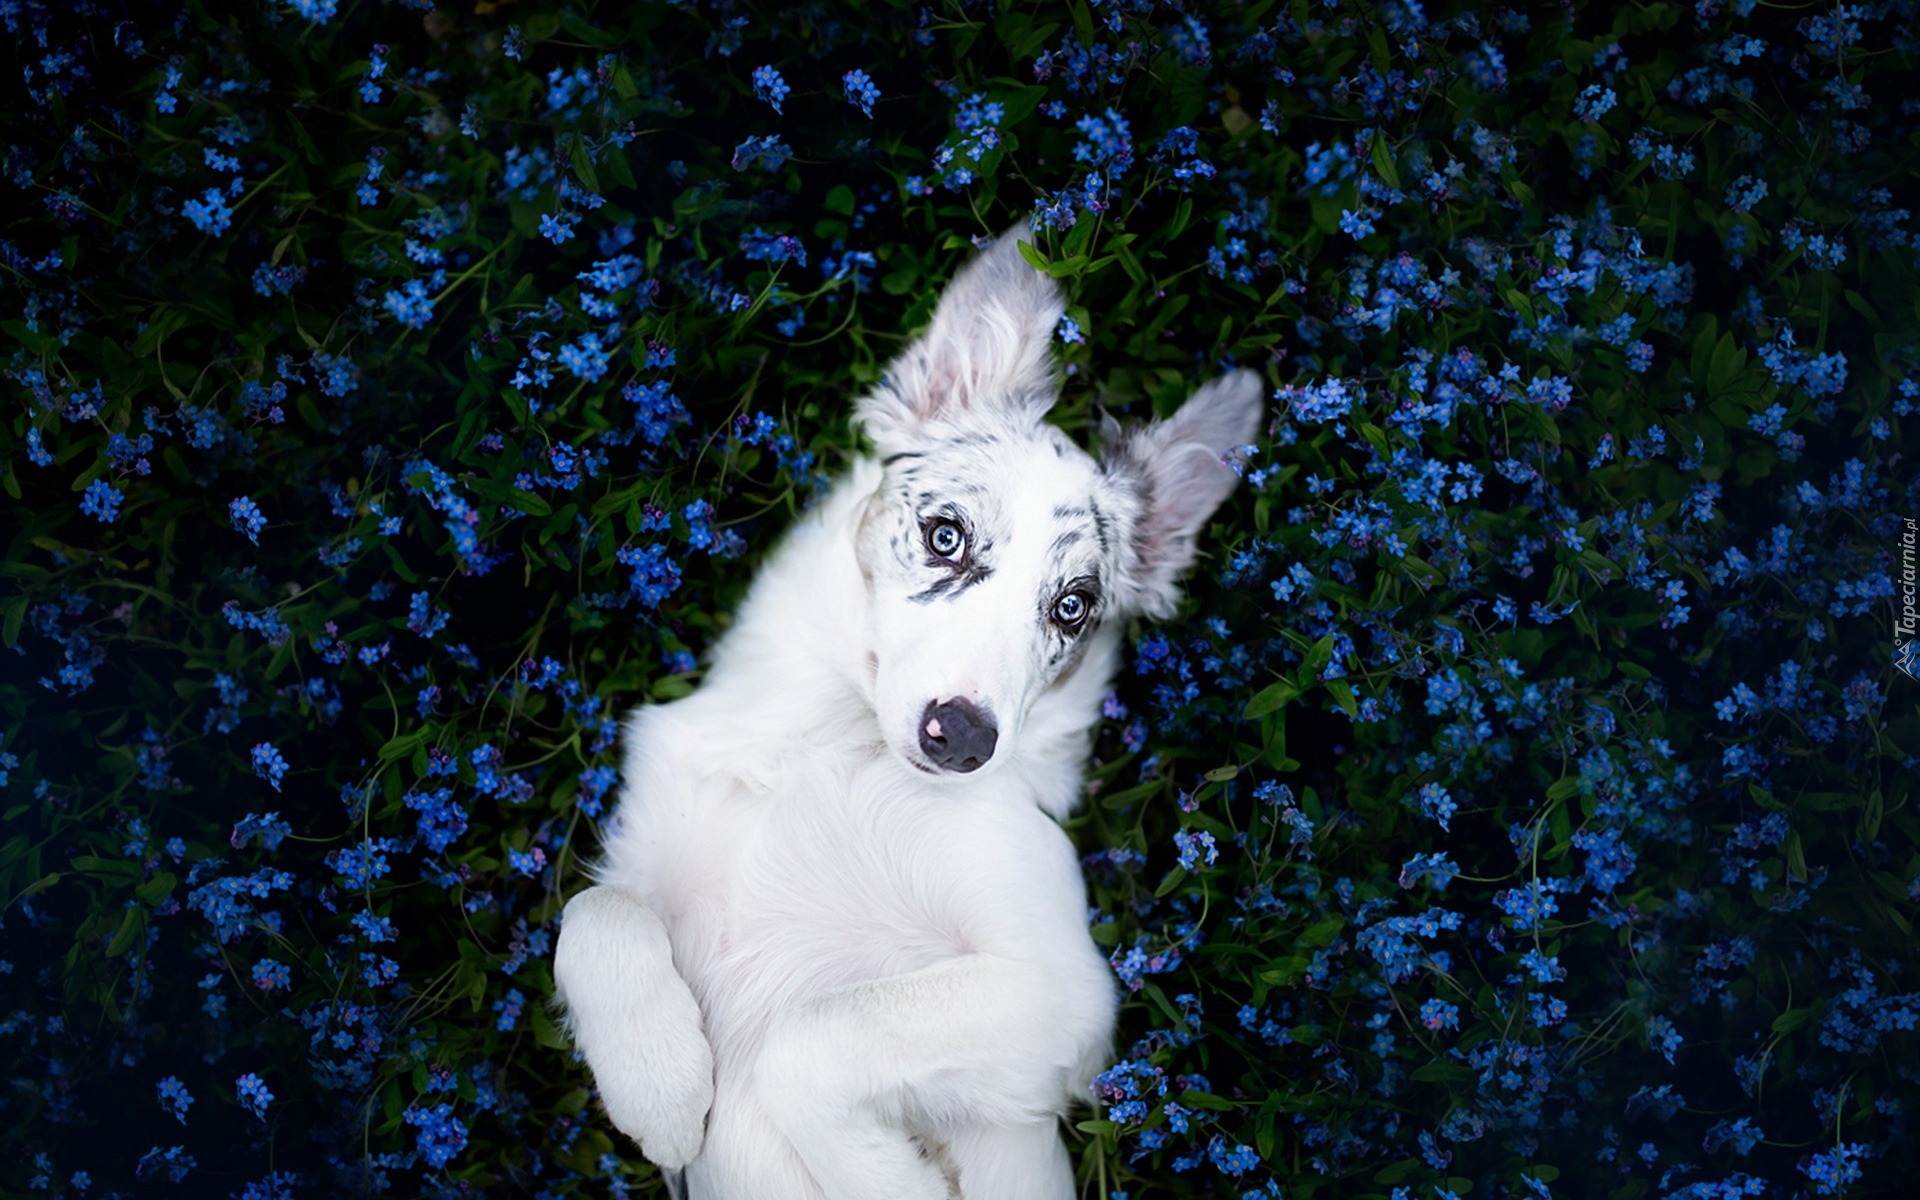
636,1022
1012,1162
844,1072
746,1156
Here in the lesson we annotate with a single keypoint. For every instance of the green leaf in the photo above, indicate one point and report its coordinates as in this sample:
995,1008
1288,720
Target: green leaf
1793,1019
1727,362
404,745
1441,1071
1316,661
1270,699
106,868
12,615
1207,1100
1283,971
544,1030
1383,160
1796,856
155,890
37,886
131,926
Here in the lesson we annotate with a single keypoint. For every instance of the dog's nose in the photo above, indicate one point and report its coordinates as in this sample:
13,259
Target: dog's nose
957,736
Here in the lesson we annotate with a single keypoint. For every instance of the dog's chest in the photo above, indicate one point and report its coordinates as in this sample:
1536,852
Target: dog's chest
838,876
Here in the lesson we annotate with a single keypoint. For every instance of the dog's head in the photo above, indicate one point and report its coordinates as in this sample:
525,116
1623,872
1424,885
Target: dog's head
995,550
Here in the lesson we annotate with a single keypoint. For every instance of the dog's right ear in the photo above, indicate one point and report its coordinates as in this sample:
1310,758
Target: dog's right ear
1178,469
987,354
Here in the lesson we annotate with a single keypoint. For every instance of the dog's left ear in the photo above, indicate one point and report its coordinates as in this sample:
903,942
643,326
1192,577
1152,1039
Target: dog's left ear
989,351
1177,468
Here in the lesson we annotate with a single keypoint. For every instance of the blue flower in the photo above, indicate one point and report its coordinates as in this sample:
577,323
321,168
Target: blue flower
441,1136
862,92
174,1098
410,304
1529,906
1663,1036
613,274
254,1096
209,212
595,782
164,100
268,764
338,373
1358,222
1106,143
1833,1170
269,280
442,819
1433,866
1196,848
757,245
247,517
1594,102
422,617
507,1011
269,975
655,576
101,502
1745,192
358,866
558,228
1438,1014
173,1162
765,152
374,929
586,357
569,92
317,11
269,828
769,86
1545,968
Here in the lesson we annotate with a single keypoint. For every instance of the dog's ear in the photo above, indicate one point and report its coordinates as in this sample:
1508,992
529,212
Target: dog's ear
1176,467
987,353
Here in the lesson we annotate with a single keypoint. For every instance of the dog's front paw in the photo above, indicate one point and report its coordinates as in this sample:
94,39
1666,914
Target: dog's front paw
636,1023
667,1115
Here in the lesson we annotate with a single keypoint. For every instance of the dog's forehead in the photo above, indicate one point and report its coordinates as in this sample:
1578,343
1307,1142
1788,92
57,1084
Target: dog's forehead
1007,476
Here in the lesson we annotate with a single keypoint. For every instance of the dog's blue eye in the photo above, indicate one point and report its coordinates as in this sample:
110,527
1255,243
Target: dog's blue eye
1070,609
945,539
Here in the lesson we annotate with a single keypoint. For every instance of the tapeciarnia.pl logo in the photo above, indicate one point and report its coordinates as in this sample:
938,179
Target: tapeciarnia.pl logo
1906,624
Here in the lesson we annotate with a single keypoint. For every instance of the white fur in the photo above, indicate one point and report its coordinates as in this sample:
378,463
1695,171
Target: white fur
815,964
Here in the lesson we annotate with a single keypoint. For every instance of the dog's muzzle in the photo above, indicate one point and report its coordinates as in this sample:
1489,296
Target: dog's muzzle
957,736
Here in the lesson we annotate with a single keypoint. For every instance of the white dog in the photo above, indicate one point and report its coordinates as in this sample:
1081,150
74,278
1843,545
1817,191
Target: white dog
838,946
